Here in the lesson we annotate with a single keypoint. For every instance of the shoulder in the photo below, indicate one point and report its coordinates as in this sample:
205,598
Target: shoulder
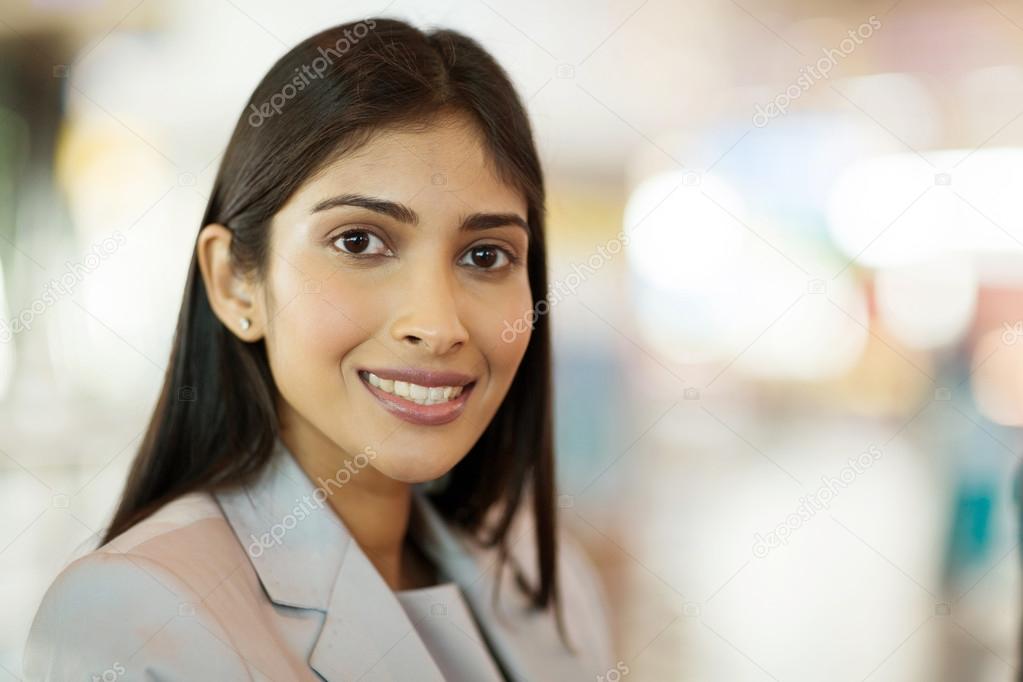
582,595
128,609
584,599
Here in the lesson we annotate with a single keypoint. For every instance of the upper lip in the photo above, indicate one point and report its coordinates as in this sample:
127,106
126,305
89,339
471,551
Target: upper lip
423,377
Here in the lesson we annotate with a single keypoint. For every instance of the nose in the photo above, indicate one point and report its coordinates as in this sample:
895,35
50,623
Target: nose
428,315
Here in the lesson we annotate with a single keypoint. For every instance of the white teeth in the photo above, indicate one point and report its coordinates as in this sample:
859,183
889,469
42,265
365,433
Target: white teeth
423,395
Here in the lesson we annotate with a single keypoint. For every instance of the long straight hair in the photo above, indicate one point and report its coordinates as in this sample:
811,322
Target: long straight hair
215,424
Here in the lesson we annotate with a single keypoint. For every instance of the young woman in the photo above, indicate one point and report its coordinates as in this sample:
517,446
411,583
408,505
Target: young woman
349,473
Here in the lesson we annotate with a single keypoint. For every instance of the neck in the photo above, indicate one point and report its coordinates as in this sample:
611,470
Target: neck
374,508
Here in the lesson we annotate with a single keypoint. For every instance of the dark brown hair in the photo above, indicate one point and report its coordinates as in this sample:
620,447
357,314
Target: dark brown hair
214,424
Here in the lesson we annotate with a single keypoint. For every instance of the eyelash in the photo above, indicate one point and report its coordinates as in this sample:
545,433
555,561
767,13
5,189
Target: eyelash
513,258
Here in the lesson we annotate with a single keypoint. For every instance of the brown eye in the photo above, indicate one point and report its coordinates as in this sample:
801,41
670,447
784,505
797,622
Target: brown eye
361,242
356,242
486,256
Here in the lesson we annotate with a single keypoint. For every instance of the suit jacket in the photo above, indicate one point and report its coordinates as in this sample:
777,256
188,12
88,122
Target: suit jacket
264,582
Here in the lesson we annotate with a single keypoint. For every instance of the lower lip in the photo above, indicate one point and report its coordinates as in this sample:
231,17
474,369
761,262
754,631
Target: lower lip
424,415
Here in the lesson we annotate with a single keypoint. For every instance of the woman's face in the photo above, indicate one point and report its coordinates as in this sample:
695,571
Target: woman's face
392,275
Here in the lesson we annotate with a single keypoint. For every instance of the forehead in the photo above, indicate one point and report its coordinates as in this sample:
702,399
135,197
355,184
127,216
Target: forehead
438,166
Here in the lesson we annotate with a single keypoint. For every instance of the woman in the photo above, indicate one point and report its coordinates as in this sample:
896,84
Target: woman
349,473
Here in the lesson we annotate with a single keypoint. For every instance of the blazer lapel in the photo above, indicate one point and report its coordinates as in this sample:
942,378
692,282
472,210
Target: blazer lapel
306,558
525,642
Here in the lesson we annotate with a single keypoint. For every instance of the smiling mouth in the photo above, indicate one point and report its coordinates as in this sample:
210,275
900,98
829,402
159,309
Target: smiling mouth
421,395
416,403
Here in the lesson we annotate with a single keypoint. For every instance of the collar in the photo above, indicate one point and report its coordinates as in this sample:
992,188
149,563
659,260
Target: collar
306,558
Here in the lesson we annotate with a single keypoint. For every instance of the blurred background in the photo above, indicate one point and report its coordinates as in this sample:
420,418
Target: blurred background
787,262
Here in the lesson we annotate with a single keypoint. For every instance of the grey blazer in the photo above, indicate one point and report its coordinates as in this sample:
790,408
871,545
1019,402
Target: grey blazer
265,583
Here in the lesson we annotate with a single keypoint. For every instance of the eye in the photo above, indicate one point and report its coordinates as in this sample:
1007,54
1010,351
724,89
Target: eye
361,243
487,257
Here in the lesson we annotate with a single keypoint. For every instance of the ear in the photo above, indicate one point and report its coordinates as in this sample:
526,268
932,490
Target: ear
232,295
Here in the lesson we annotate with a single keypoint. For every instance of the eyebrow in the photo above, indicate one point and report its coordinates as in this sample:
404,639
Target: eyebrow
404,214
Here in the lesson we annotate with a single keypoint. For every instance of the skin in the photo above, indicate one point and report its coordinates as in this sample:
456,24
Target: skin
418,296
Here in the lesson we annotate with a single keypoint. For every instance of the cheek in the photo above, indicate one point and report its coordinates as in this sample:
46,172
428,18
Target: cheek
503,329
312,332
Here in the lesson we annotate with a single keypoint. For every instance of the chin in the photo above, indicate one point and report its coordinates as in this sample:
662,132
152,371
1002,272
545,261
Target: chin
415,468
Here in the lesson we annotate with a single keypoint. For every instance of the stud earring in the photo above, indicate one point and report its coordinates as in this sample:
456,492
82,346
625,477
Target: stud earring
245,324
